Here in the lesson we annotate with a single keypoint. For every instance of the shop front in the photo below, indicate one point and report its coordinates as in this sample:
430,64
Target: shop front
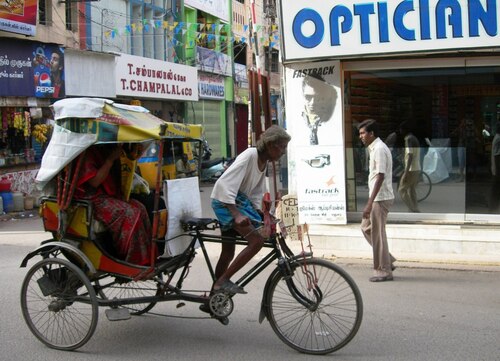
32,76
432,65
215,89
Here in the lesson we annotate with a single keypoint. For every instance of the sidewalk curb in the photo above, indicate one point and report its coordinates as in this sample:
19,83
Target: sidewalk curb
442,266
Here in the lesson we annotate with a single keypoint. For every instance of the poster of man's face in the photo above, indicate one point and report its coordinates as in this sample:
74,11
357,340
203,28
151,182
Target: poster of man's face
319,98
312,102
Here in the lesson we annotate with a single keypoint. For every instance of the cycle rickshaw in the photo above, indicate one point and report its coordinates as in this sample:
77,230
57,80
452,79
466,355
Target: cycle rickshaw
313,305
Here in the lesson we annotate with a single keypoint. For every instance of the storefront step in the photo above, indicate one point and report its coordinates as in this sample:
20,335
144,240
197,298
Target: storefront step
414,242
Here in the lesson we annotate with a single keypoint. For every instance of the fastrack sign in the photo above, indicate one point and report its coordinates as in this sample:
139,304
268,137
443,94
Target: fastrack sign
150,78
332,28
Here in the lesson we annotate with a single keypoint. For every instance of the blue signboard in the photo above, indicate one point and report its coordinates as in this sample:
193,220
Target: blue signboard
31,69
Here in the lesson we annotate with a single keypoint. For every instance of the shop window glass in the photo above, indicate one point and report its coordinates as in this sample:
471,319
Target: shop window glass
453,113
71,12
45,12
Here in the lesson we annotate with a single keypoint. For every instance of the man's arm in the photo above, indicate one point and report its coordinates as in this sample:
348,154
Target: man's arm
239,219
376,188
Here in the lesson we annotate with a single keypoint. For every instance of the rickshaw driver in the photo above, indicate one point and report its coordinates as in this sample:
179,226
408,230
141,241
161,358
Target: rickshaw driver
237,202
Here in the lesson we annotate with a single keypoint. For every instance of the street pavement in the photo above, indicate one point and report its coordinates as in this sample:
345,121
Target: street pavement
424,314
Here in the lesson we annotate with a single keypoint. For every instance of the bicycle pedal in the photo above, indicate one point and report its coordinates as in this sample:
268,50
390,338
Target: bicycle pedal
117,314
223,320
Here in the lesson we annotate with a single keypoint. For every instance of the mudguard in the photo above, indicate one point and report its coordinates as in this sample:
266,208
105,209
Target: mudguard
263,303
52,245
276,273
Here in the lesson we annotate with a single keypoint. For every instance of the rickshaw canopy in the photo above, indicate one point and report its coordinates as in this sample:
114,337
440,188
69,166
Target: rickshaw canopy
82,122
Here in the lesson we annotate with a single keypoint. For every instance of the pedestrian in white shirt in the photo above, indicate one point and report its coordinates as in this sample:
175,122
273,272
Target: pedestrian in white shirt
380,199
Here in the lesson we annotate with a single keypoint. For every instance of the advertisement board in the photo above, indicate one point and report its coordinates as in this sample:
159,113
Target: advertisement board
31,69
217,8
18,16
316,151
150,78
213,61
332,28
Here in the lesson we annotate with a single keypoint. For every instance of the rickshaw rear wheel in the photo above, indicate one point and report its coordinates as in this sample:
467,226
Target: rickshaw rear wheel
59,304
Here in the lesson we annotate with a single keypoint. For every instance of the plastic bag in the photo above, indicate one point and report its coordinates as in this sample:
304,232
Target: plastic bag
139,185
434,166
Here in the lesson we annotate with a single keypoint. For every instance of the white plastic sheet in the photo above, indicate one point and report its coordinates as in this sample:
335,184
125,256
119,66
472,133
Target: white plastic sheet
434,165
182,197
443,146
64,146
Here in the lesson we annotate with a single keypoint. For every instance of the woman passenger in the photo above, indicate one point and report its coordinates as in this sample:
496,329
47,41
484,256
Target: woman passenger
128,222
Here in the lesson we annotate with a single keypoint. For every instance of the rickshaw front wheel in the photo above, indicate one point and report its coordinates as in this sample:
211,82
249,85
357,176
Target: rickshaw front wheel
59,304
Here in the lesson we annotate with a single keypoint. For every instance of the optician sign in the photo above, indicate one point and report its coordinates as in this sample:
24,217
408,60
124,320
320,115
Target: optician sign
333,28
150,78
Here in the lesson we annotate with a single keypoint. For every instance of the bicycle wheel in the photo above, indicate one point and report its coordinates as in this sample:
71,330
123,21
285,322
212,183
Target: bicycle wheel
331,323
424,187
59,304
123,288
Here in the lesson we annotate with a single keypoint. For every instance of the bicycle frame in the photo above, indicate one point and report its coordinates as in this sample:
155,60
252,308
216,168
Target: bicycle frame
168,292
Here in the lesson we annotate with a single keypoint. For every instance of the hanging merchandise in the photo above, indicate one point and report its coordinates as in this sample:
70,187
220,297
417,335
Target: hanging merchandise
40,132
27,125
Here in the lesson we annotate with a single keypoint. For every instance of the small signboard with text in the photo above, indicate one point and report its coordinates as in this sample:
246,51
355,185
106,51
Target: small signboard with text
150,78
18,16
211,86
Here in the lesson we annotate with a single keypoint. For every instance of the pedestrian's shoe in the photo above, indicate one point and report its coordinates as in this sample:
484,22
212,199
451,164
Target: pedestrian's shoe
381,278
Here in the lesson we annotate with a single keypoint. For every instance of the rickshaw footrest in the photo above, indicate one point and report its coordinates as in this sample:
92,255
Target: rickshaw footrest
117,314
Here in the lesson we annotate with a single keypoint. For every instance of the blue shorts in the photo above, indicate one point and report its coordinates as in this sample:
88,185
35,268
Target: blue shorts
244,206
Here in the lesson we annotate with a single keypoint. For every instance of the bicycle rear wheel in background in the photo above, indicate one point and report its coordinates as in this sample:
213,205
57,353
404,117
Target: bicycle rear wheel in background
334,320
117,288
424,187
59,304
